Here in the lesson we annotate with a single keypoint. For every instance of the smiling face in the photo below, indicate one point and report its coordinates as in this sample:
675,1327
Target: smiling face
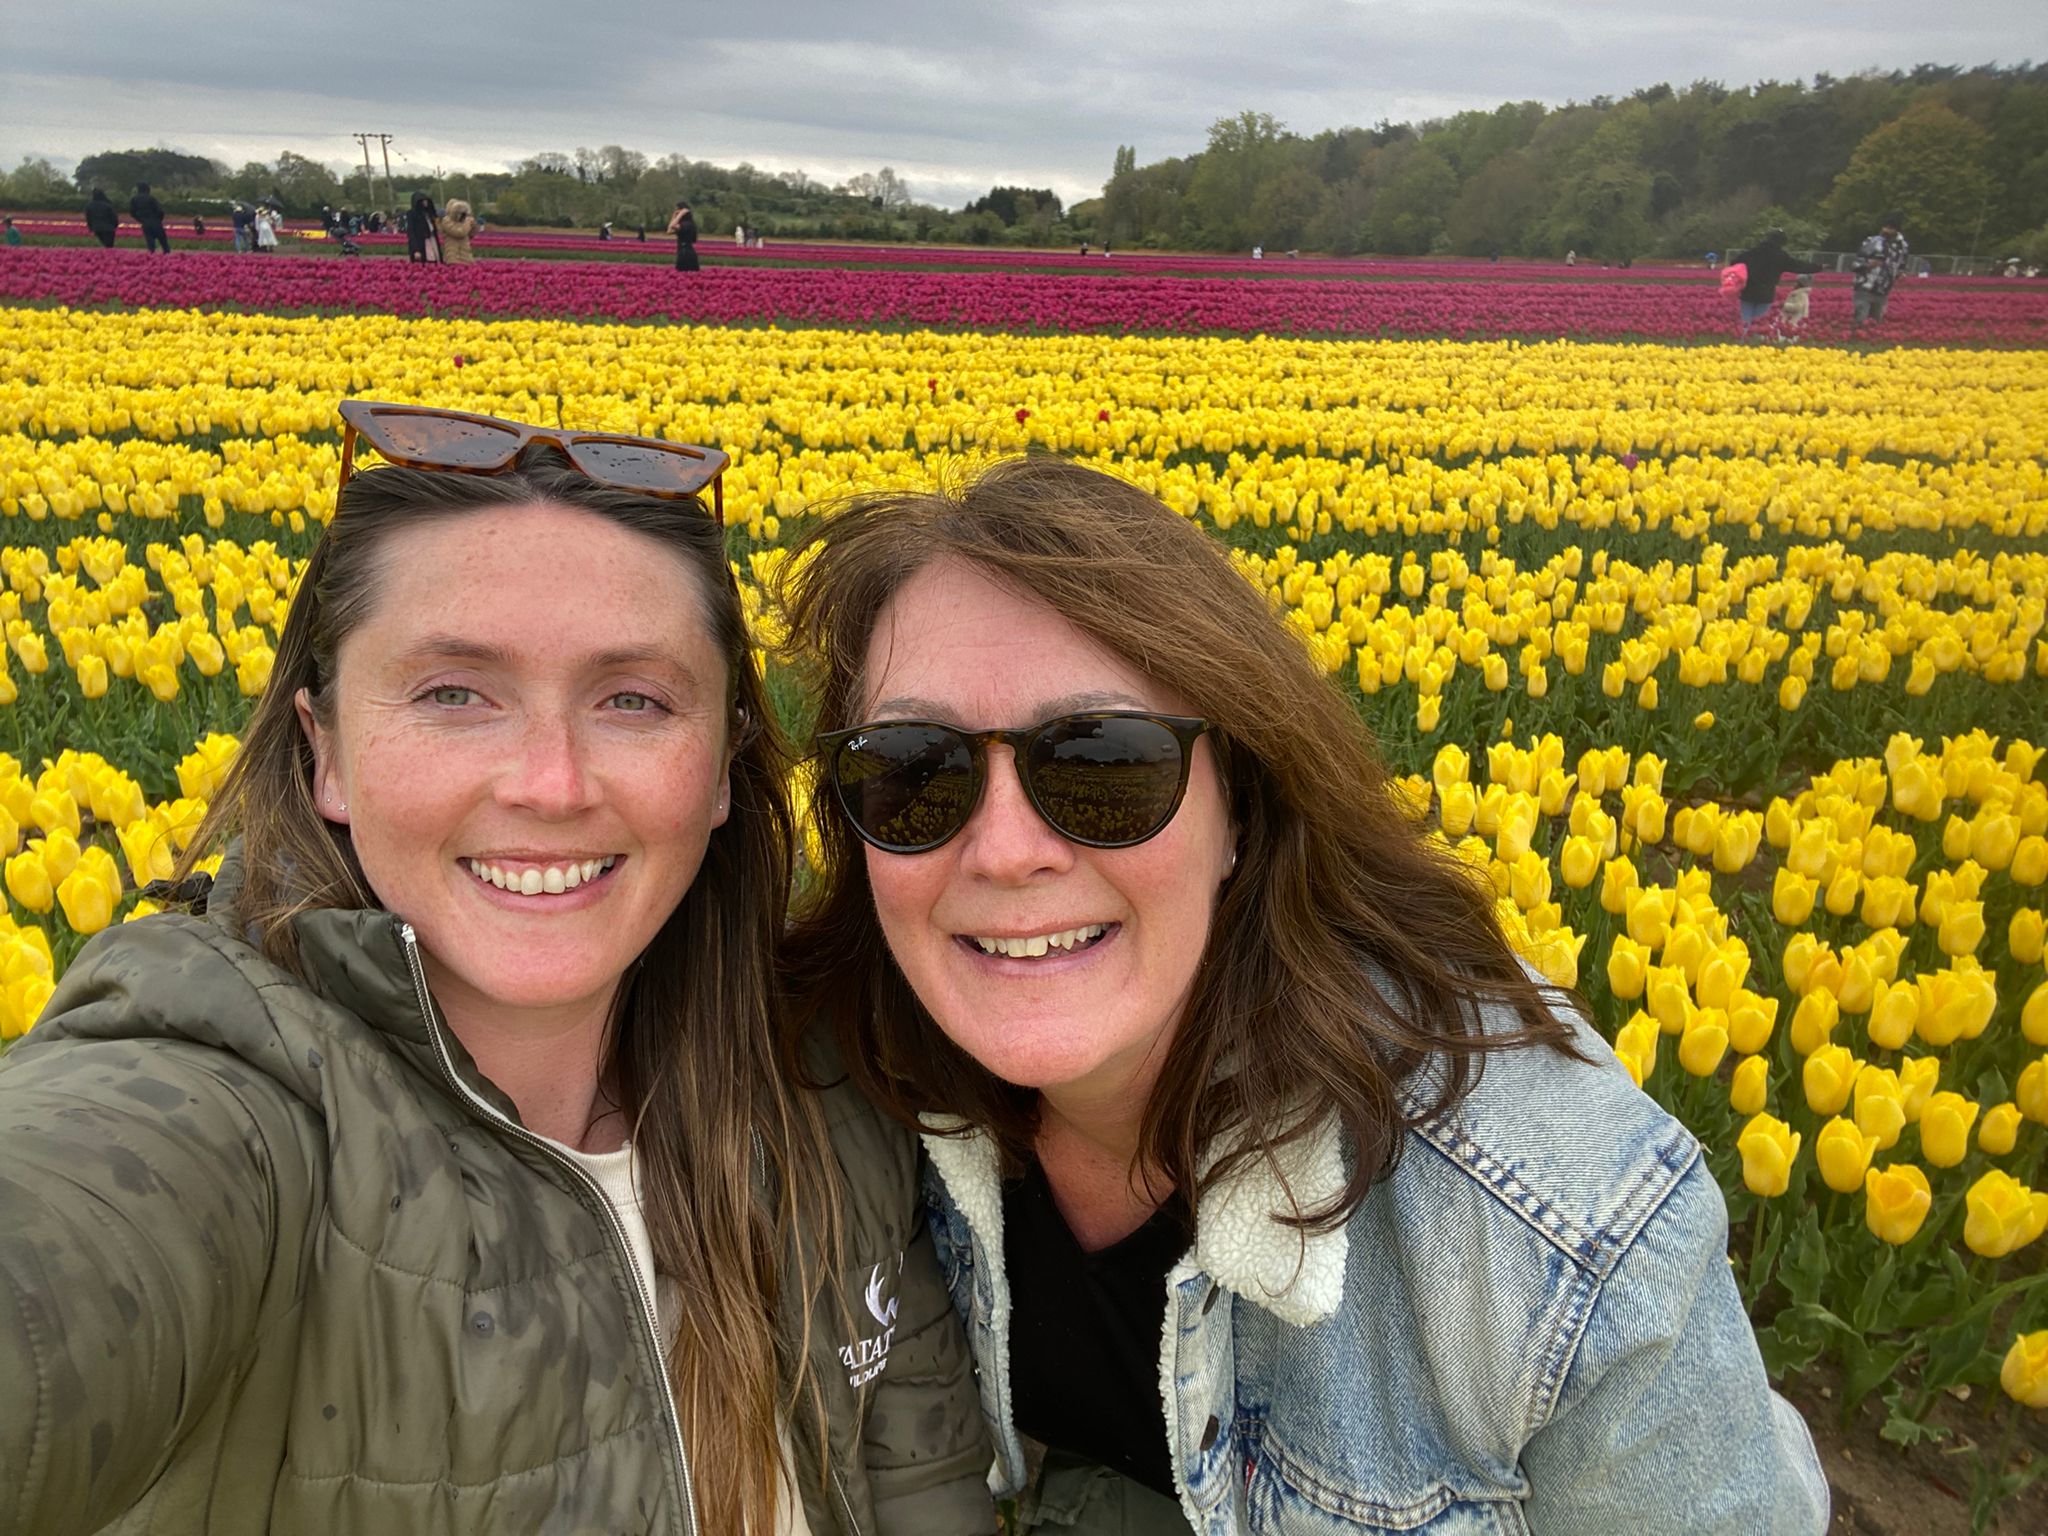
1094,1008
528,744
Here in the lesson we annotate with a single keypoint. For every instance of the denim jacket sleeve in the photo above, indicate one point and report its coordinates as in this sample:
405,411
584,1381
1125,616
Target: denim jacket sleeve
1665,1421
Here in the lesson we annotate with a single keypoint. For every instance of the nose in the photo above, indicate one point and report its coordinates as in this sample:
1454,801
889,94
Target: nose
548,769
1005,840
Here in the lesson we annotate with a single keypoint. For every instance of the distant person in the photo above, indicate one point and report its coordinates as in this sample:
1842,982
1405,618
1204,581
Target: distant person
8,232
421,243
1105,247
263,222
1084,247
458,229
101,218
1792,314
604,230
643,234
1767,261
1258,253
1879,261
243,221
1713,260
683,225
1571,258
149,213
739,236
198,227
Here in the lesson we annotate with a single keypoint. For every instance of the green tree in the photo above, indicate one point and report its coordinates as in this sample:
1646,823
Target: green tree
35,183
1412,202
1244,151
1929,164
1497,209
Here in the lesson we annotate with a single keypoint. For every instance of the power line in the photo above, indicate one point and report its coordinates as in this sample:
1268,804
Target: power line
369,180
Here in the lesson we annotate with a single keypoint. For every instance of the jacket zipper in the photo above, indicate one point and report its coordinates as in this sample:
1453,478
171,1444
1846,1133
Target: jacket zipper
485,1108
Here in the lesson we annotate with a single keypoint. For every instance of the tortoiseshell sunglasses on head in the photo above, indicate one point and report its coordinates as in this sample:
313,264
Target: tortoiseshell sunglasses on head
463,443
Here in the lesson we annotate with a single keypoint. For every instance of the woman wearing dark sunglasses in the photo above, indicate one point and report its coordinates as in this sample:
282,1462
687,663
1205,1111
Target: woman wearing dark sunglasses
1117,905
444,1175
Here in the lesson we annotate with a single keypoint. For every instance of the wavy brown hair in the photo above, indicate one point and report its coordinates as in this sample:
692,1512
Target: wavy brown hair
1347,950
693,1045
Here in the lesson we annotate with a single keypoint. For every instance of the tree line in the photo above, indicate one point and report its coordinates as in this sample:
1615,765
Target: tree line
582,188
1962,152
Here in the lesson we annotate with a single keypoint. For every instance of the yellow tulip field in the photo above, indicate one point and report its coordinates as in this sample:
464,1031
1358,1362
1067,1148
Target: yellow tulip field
1725,666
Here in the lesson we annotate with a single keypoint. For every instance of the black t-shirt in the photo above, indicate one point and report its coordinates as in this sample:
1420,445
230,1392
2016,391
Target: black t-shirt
1085,1331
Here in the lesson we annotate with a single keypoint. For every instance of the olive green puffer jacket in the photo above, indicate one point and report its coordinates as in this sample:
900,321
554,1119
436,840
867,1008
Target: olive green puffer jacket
278,1258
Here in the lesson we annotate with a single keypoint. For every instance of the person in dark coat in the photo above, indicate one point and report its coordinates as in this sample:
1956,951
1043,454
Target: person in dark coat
149,213
1767,261
421,241
101,218
683,225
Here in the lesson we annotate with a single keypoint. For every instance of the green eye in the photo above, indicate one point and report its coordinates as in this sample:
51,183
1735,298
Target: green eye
632,703
453,697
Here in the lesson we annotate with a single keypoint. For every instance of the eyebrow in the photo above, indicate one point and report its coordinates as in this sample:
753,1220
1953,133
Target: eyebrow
455,648
912,707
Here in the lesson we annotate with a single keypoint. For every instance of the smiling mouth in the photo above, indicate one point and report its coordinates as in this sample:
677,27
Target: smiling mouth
526,879
1039,946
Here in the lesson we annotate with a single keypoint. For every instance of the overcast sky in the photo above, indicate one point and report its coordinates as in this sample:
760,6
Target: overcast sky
956,95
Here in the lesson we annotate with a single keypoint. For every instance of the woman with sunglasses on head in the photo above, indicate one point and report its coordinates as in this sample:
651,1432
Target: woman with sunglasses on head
445,1174
1116,903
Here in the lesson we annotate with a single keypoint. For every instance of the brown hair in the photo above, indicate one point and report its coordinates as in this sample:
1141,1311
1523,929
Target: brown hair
693,1044
1347,950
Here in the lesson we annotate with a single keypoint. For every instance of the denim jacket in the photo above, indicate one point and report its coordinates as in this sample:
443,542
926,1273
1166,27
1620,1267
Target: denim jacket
1529,1326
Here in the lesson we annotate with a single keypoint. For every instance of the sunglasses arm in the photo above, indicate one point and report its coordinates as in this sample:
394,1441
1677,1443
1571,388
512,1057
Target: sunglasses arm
348,452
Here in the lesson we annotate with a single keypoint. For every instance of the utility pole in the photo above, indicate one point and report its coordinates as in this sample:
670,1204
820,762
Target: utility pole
384,140
369,176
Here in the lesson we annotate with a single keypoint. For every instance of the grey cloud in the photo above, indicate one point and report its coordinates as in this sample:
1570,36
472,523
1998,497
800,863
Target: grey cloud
953,96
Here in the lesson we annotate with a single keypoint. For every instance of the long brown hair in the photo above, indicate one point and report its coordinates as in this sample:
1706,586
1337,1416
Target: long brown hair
1347,950
693,1045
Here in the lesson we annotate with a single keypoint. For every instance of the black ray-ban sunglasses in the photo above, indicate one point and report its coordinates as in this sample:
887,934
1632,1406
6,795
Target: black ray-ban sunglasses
1103,779
464,443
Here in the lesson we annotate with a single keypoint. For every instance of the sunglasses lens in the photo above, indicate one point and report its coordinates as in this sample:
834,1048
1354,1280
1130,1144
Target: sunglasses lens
639,466
905,787
451,441
1106,780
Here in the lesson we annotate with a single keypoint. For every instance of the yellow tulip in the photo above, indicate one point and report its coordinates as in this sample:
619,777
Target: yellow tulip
2031,1092
92,676
1649,915
1917,1079
1669,1003
2024,1374
2003,1215
1916,791
28,882
1704,1043
1455,809
2024,935
1792,896
1750,1088
148,850
1894,1010
1897,1199
1791,692
1842,889
1999,1131
1646,696
2034,1016
1685,948
1618,885
1428,711
1962,928
1828,1076
1843,1155
1994,838
1880,1106
1801,950
1858,988
87,900
1613,679
1944,1008
1945,1128
1736,841
1768,1145
1751,1019
1529,880
1627,968
1578,861
1813,1021
2030,860
1636,1044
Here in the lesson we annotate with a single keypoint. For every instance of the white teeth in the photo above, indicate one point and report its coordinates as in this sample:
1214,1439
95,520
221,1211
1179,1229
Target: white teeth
551,879
1040,944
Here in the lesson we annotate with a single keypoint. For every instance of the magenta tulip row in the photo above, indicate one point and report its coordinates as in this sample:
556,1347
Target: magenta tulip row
2009,314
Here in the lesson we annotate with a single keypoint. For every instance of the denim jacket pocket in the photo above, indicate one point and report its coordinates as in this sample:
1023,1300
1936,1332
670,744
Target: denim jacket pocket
1281,1501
